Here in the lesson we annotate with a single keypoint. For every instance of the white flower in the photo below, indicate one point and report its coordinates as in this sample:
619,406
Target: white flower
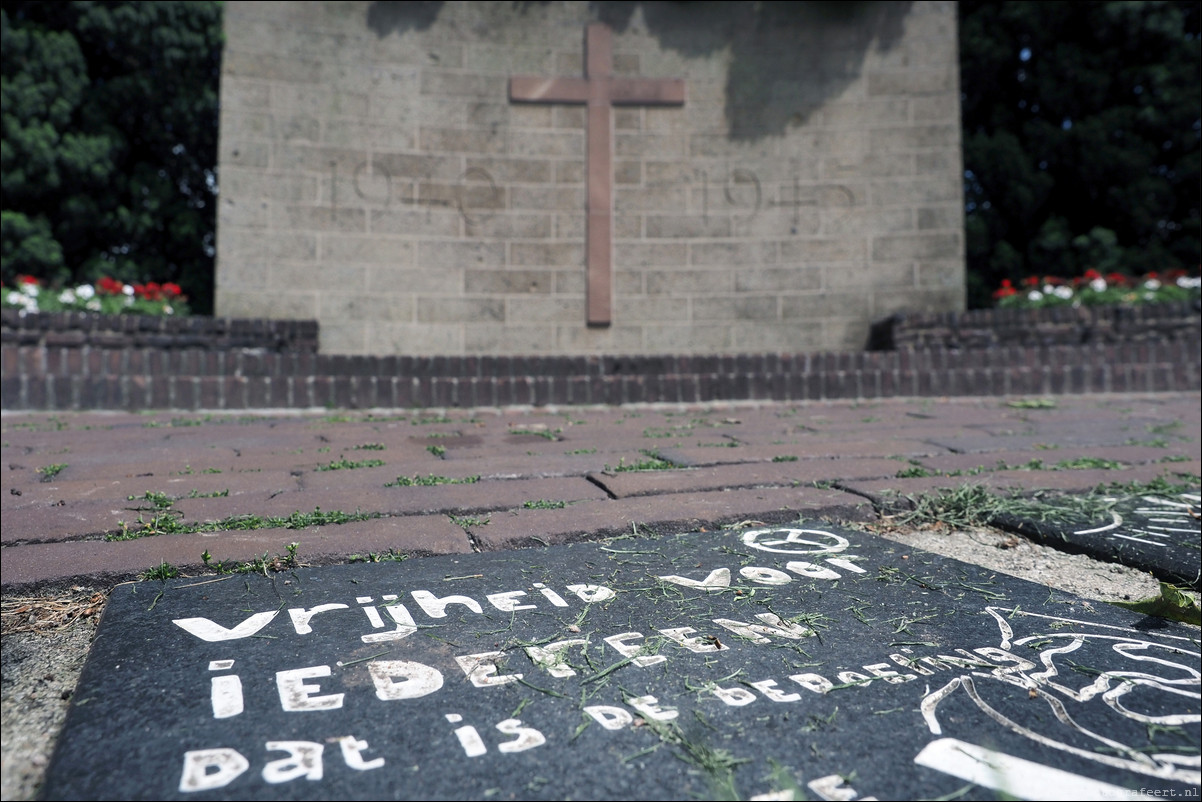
1151,284
32,290
1189,283
1098,285
167,310
66,297
93,305
13,297
128,289
1064,292
1035,295
85,291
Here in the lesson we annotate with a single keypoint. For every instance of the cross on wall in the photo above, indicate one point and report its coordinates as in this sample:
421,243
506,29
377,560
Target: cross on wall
599,90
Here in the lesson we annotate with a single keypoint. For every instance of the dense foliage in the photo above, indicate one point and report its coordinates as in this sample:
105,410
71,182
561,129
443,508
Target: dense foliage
1081,139
109,150
1081,121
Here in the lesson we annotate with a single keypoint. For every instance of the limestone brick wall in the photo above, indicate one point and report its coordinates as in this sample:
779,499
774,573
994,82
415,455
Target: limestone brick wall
376,177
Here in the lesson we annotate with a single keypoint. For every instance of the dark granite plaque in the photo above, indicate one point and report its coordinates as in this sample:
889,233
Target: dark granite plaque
759,664
1158,534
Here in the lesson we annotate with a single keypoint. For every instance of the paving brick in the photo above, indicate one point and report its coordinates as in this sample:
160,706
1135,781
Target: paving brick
796,448
55,562
1132,455
268,462
720,477
681,512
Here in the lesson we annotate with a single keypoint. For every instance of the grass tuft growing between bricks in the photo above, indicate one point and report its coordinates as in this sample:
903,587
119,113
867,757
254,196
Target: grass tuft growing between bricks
344,464
259,565
169,523
544,504
538,431
48,472
162,501
431,480
653,462
392,555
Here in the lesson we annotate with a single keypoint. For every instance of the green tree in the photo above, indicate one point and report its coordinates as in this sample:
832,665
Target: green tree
108,155
1081,138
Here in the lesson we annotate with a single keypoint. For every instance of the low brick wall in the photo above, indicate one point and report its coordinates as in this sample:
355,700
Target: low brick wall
1061,325
78,362
85,329
44,378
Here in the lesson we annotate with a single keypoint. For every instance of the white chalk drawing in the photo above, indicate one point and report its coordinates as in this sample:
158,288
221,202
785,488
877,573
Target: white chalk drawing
809,542
434,606
1165,519
1031,683
1014,776
795,541
833,787
212,632
225,691
1157,684
474,746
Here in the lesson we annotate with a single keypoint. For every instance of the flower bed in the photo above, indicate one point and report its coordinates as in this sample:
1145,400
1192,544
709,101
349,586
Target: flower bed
1094,289
107,297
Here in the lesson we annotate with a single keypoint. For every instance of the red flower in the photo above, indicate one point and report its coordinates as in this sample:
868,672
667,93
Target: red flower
110,286
1006,290
171,290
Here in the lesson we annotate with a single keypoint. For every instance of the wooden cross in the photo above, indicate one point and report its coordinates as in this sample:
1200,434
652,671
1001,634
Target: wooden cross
600,90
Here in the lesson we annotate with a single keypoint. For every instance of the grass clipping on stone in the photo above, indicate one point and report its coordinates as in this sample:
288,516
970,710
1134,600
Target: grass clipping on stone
975,505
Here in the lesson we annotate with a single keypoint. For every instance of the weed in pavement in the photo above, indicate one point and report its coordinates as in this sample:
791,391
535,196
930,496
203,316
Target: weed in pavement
48,472
345,464
169,523
431,480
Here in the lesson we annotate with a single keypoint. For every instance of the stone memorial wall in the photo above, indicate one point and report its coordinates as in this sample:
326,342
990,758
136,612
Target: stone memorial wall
589,178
